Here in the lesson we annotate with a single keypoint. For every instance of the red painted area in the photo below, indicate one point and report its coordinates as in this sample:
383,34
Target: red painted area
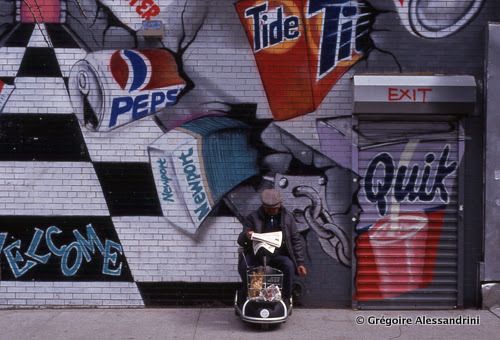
166,72
402,2
163,69
145,8
289,68
46,11
119,69
393,259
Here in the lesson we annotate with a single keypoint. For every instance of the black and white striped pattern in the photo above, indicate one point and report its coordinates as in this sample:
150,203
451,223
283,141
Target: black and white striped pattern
47,177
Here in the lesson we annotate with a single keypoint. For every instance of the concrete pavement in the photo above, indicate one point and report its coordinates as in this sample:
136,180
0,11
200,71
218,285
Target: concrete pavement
221,323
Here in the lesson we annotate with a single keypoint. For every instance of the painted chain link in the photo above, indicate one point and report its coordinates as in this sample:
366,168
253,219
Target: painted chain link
332,238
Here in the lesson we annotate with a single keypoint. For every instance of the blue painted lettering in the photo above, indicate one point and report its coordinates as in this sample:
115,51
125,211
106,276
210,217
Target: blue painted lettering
72,270
195,183
338,38
88,244
35,242
202,211
167,194
14,257
120,106
156,100
3,236
71,255
142,105
269,32
48,239
172,96
404,182
111,257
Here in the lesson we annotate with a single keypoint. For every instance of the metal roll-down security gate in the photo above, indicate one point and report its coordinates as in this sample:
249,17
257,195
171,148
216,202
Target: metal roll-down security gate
408,233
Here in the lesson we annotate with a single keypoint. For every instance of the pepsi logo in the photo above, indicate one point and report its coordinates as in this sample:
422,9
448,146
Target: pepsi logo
131,70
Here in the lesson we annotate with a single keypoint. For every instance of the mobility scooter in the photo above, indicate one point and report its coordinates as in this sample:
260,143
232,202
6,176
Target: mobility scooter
262,304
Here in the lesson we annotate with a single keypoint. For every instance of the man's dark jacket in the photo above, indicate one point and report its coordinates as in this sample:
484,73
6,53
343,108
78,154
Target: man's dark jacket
293,240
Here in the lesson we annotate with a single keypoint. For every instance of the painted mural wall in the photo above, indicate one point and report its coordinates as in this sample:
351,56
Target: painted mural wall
128,164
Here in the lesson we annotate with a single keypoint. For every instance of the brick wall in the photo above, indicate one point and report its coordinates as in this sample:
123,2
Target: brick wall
56,167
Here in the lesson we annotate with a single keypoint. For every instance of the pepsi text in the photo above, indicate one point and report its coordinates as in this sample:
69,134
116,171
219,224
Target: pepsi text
142,105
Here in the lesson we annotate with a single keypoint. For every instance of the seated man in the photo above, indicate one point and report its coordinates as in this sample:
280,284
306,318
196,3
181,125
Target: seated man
289,257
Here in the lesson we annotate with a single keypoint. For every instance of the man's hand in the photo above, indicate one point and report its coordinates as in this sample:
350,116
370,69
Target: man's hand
302,271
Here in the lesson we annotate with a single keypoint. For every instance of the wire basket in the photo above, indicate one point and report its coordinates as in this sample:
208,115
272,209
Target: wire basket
264,283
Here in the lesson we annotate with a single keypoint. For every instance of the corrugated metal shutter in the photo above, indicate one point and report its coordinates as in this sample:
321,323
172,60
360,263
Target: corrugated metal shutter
407,232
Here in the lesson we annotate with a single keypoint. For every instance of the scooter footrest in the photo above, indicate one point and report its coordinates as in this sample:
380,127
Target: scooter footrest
256,309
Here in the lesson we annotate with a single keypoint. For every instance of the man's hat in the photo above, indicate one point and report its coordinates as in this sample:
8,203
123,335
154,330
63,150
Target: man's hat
271,198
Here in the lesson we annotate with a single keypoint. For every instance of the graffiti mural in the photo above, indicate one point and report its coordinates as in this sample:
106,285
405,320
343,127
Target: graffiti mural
430,19
313,199
333,239
51,249
408,196
48,11
193,169
308,45
111,88
156,149
132,13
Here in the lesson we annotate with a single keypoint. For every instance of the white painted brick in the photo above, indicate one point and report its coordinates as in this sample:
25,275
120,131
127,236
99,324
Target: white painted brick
33,185
174,256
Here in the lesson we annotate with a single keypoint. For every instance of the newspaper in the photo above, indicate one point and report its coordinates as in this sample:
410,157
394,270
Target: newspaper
268,241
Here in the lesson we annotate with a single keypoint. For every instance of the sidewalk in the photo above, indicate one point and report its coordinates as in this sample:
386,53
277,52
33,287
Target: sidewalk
215,324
